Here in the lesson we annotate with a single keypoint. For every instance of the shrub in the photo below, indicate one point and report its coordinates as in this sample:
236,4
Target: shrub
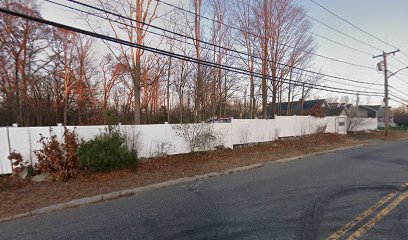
58,159
316,111
200,136
162,149
17,162
107,152
321,128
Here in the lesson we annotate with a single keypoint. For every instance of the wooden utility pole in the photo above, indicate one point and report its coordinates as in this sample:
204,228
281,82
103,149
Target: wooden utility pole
168,91
199,100
386,98
265,64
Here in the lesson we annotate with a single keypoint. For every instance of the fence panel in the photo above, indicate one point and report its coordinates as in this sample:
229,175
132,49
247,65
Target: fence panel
243,131
254,130
152,140
301,126
266,130
5,166
362,124
331,124
286,125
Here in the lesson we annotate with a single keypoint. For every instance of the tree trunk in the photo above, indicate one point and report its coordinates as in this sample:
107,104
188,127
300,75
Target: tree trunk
168,91
136,89
265,65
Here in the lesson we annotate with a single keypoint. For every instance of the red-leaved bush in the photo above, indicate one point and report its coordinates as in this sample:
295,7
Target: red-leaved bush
58,159
316,111
17,161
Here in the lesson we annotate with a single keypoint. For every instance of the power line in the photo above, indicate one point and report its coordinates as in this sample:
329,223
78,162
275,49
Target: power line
375,82
345,34
399,98
403,80
251,33
236,28
397,101
171,38
355,26
163,35
398,91
207,43
351,24
396,59
178,56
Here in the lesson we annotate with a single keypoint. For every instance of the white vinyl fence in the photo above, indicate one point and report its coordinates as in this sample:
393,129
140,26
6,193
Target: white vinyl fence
153,140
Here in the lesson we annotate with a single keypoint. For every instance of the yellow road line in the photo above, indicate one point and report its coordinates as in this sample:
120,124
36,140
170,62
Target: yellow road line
365,214
361,231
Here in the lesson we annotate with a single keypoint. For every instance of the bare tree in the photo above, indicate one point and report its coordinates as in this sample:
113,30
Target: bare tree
262,13
246,22
139,15
199,101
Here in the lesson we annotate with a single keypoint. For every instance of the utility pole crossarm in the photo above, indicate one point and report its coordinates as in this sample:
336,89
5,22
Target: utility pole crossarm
388,53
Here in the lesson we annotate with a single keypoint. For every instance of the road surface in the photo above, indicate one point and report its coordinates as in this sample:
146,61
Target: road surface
356,193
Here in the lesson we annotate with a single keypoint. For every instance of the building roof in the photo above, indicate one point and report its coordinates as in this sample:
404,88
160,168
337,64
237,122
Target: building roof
333,104
347,105
371,110
371,107
335,111
296,107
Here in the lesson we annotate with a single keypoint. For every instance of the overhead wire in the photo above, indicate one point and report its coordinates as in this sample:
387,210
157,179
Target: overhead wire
355,26
172,38
163,35
345,34
401,79
211,44
178,56
399,98
400,102
253,34
399,91
216,46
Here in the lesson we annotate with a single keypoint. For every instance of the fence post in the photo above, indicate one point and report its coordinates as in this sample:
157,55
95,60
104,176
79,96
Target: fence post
336,124
9,148
166,124
30,145
59,125
277,130
231,133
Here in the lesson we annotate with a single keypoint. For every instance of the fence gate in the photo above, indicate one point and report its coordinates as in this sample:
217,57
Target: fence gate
342,125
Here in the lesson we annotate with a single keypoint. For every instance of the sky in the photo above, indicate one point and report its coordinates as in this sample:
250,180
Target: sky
385,19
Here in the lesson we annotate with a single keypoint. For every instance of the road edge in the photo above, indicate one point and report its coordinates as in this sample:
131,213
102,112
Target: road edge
133,191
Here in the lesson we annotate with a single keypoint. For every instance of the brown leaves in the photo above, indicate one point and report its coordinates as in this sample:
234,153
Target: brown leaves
316,111
17,161
60,160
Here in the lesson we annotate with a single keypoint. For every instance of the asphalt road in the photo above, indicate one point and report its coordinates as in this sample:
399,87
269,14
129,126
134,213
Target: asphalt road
305,199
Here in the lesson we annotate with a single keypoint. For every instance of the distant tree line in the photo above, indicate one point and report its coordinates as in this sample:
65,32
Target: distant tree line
50,75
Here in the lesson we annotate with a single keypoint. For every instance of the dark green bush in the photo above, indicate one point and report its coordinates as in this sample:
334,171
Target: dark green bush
107,152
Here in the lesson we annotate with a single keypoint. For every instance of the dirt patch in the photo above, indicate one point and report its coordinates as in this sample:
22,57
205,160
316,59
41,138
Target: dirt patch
19,196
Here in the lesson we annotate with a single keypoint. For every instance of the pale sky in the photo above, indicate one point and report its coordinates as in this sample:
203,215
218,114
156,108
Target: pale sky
385,19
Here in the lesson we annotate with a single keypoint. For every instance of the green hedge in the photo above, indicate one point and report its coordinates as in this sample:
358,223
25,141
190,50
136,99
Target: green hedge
107,152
